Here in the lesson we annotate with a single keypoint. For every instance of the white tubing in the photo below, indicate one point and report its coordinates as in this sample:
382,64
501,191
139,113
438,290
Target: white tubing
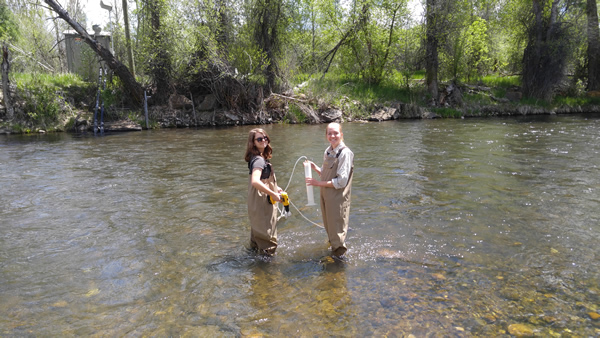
309,194
309,188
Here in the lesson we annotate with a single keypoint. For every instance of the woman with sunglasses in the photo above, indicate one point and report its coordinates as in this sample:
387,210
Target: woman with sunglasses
335,185
262,184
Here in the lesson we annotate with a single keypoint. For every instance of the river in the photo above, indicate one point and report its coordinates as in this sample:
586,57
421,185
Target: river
475,227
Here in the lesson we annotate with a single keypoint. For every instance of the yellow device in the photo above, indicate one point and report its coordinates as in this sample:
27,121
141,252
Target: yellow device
285,200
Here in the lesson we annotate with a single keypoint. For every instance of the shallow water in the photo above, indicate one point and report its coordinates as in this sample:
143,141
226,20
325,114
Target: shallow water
457,228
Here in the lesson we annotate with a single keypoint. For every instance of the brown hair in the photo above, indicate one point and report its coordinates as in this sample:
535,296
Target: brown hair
251,149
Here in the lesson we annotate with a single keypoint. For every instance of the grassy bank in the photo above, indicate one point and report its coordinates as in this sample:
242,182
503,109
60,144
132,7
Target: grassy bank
51,102
491,90
46,102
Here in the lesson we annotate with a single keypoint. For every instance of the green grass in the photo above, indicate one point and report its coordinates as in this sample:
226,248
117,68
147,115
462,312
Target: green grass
447,112
334,87
535,102
476,98
576,101
295,115
419,75
342,89
51,80
44,98
501,81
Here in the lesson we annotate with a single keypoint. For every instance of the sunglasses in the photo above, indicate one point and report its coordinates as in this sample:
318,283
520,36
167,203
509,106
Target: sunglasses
260,139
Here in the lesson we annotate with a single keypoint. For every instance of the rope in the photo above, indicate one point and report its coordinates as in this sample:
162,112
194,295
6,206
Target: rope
282,210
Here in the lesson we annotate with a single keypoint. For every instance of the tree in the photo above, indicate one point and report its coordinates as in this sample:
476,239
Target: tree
305,35
476,49
33,47
6,83
593,47
128,38
377,39
9,30
547,51
410,52
269,21
432,17
357,21
160,66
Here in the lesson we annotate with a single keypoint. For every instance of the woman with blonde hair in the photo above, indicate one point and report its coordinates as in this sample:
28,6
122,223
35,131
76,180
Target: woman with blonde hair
262,184
336,185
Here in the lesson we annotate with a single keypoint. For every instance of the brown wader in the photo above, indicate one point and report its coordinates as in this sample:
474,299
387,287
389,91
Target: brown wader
263,217
335,206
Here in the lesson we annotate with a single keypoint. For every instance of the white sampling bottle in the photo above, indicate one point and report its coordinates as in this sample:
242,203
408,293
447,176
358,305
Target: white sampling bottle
309,188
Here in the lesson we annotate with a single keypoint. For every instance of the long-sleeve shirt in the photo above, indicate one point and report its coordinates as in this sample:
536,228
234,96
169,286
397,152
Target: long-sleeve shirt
346,160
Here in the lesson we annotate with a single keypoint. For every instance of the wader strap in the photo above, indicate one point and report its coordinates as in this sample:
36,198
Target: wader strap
338,153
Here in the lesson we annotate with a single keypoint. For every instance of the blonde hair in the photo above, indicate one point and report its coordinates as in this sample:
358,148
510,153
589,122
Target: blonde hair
339,126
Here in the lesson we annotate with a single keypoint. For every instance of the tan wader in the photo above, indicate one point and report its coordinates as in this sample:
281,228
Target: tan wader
263,217
335,206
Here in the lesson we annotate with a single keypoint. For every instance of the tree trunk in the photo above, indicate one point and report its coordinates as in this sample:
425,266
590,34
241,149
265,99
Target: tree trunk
349,34
388,47
267,36
593,51
313,32
160,64
544,58
6,83
223,30
59,45
131,86
128,38
431,57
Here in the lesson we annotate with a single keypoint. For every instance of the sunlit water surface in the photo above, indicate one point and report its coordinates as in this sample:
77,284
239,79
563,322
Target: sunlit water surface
472,227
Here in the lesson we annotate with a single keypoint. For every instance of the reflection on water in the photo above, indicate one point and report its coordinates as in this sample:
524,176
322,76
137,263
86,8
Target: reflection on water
457,228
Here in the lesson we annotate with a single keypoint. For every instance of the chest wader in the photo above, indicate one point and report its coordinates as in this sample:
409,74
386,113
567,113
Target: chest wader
335,206
263,216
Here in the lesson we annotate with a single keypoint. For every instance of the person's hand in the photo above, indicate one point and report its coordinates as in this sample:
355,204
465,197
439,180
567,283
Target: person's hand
276,197
310,181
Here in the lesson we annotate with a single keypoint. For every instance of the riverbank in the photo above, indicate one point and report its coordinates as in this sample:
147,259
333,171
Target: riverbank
293,108
285,110
300,109
164,117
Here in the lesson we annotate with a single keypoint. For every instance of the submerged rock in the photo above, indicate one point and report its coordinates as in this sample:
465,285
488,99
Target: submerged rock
520,330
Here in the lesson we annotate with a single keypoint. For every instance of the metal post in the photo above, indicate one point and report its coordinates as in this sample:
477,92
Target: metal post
146,109
194,110
97,101
102,110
